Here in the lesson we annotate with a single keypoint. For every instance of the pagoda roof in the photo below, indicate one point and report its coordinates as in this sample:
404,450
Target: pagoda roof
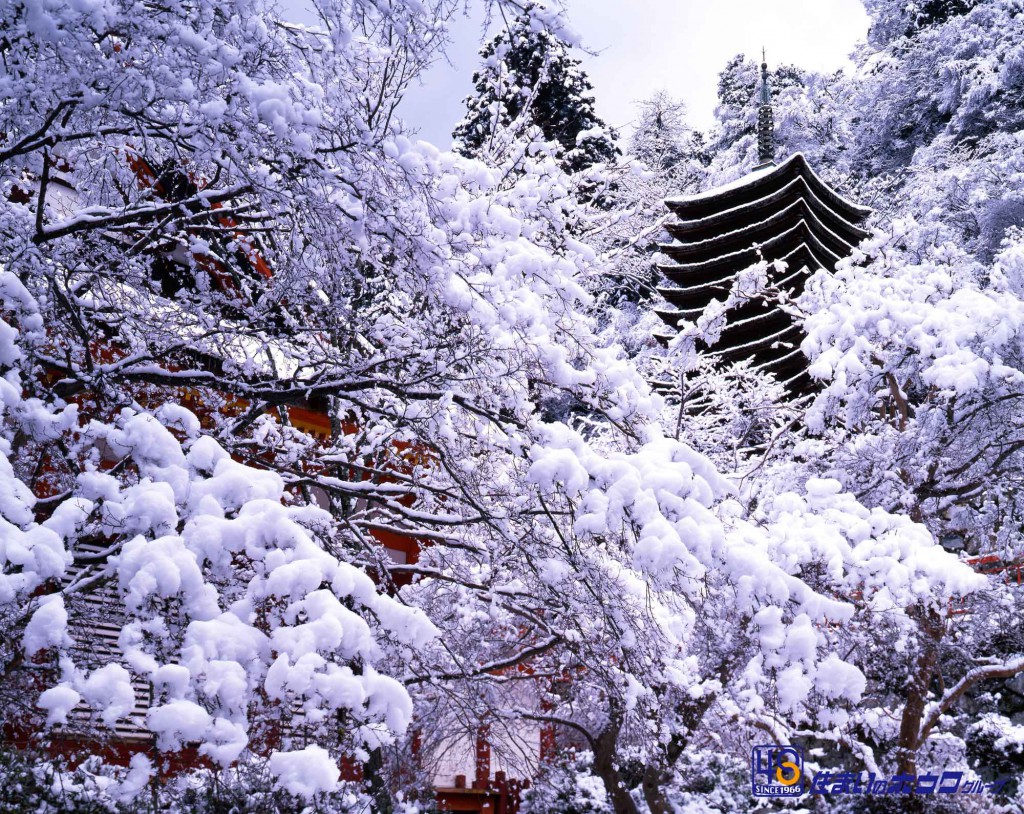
780,245
690,301
743,216
794,214
784,212
759,183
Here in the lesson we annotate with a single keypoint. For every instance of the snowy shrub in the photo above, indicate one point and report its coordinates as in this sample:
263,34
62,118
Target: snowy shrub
566,786
995,746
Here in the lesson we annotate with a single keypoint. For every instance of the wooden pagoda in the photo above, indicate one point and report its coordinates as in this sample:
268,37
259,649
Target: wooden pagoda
776,212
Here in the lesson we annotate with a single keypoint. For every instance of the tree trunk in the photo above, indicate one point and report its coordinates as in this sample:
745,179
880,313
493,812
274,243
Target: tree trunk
604,767
653,785
656,773
932,625
373,771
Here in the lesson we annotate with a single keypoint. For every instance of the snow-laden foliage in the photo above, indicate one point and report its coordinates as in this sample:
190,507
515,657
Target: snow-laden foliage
228,603
665,158
891,20
203,203
916,345
529,79
960,76
213,227
721,616
936,338
208,205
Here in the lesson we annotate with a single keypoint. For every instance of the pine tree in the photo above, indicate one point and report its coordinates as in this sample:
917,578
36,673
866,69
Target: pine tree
528,78
892,19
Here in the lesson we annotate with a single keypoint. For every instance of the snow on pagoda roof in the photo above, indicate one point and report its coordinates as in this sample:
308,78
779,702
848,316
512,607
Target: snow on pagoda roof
797,211
763,177
797,188
714,192
777,212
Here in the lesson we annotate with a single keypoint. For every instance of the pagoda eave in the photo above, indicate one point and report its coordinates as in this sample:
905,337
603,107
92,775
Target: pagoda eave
761,183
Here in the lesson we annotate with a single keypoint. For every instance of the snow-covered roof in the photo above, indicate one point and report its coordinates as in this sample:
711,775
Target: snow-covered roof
779,212
762,177
742,181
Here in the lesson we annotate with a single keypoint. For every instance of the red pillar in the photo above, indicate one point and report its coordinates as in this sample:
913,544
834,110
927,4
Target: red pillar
483,759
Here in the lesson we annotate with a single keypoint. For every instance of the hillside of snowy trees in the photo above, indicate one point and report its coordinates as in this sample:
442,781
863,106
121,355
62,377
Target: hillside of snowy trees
212,220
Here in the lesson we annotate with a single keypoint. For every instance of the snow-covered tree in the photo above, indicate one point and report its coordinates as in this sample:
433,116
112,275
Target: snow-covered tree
529,79
663,159
892,19
203,204
919,350
959,77
227,601
663,141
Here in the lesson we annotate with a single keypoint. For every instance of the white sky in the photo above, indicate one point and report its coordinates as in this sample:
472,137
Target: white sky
647,45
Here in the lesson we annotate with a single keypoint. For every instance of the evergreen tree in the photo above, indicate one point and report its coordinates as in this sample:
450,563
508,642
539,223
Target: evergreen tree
528,78
892,19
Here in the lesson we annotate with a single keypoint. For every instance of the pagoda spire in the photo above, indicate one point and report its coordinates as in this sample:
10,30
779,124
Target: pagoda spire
765,120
